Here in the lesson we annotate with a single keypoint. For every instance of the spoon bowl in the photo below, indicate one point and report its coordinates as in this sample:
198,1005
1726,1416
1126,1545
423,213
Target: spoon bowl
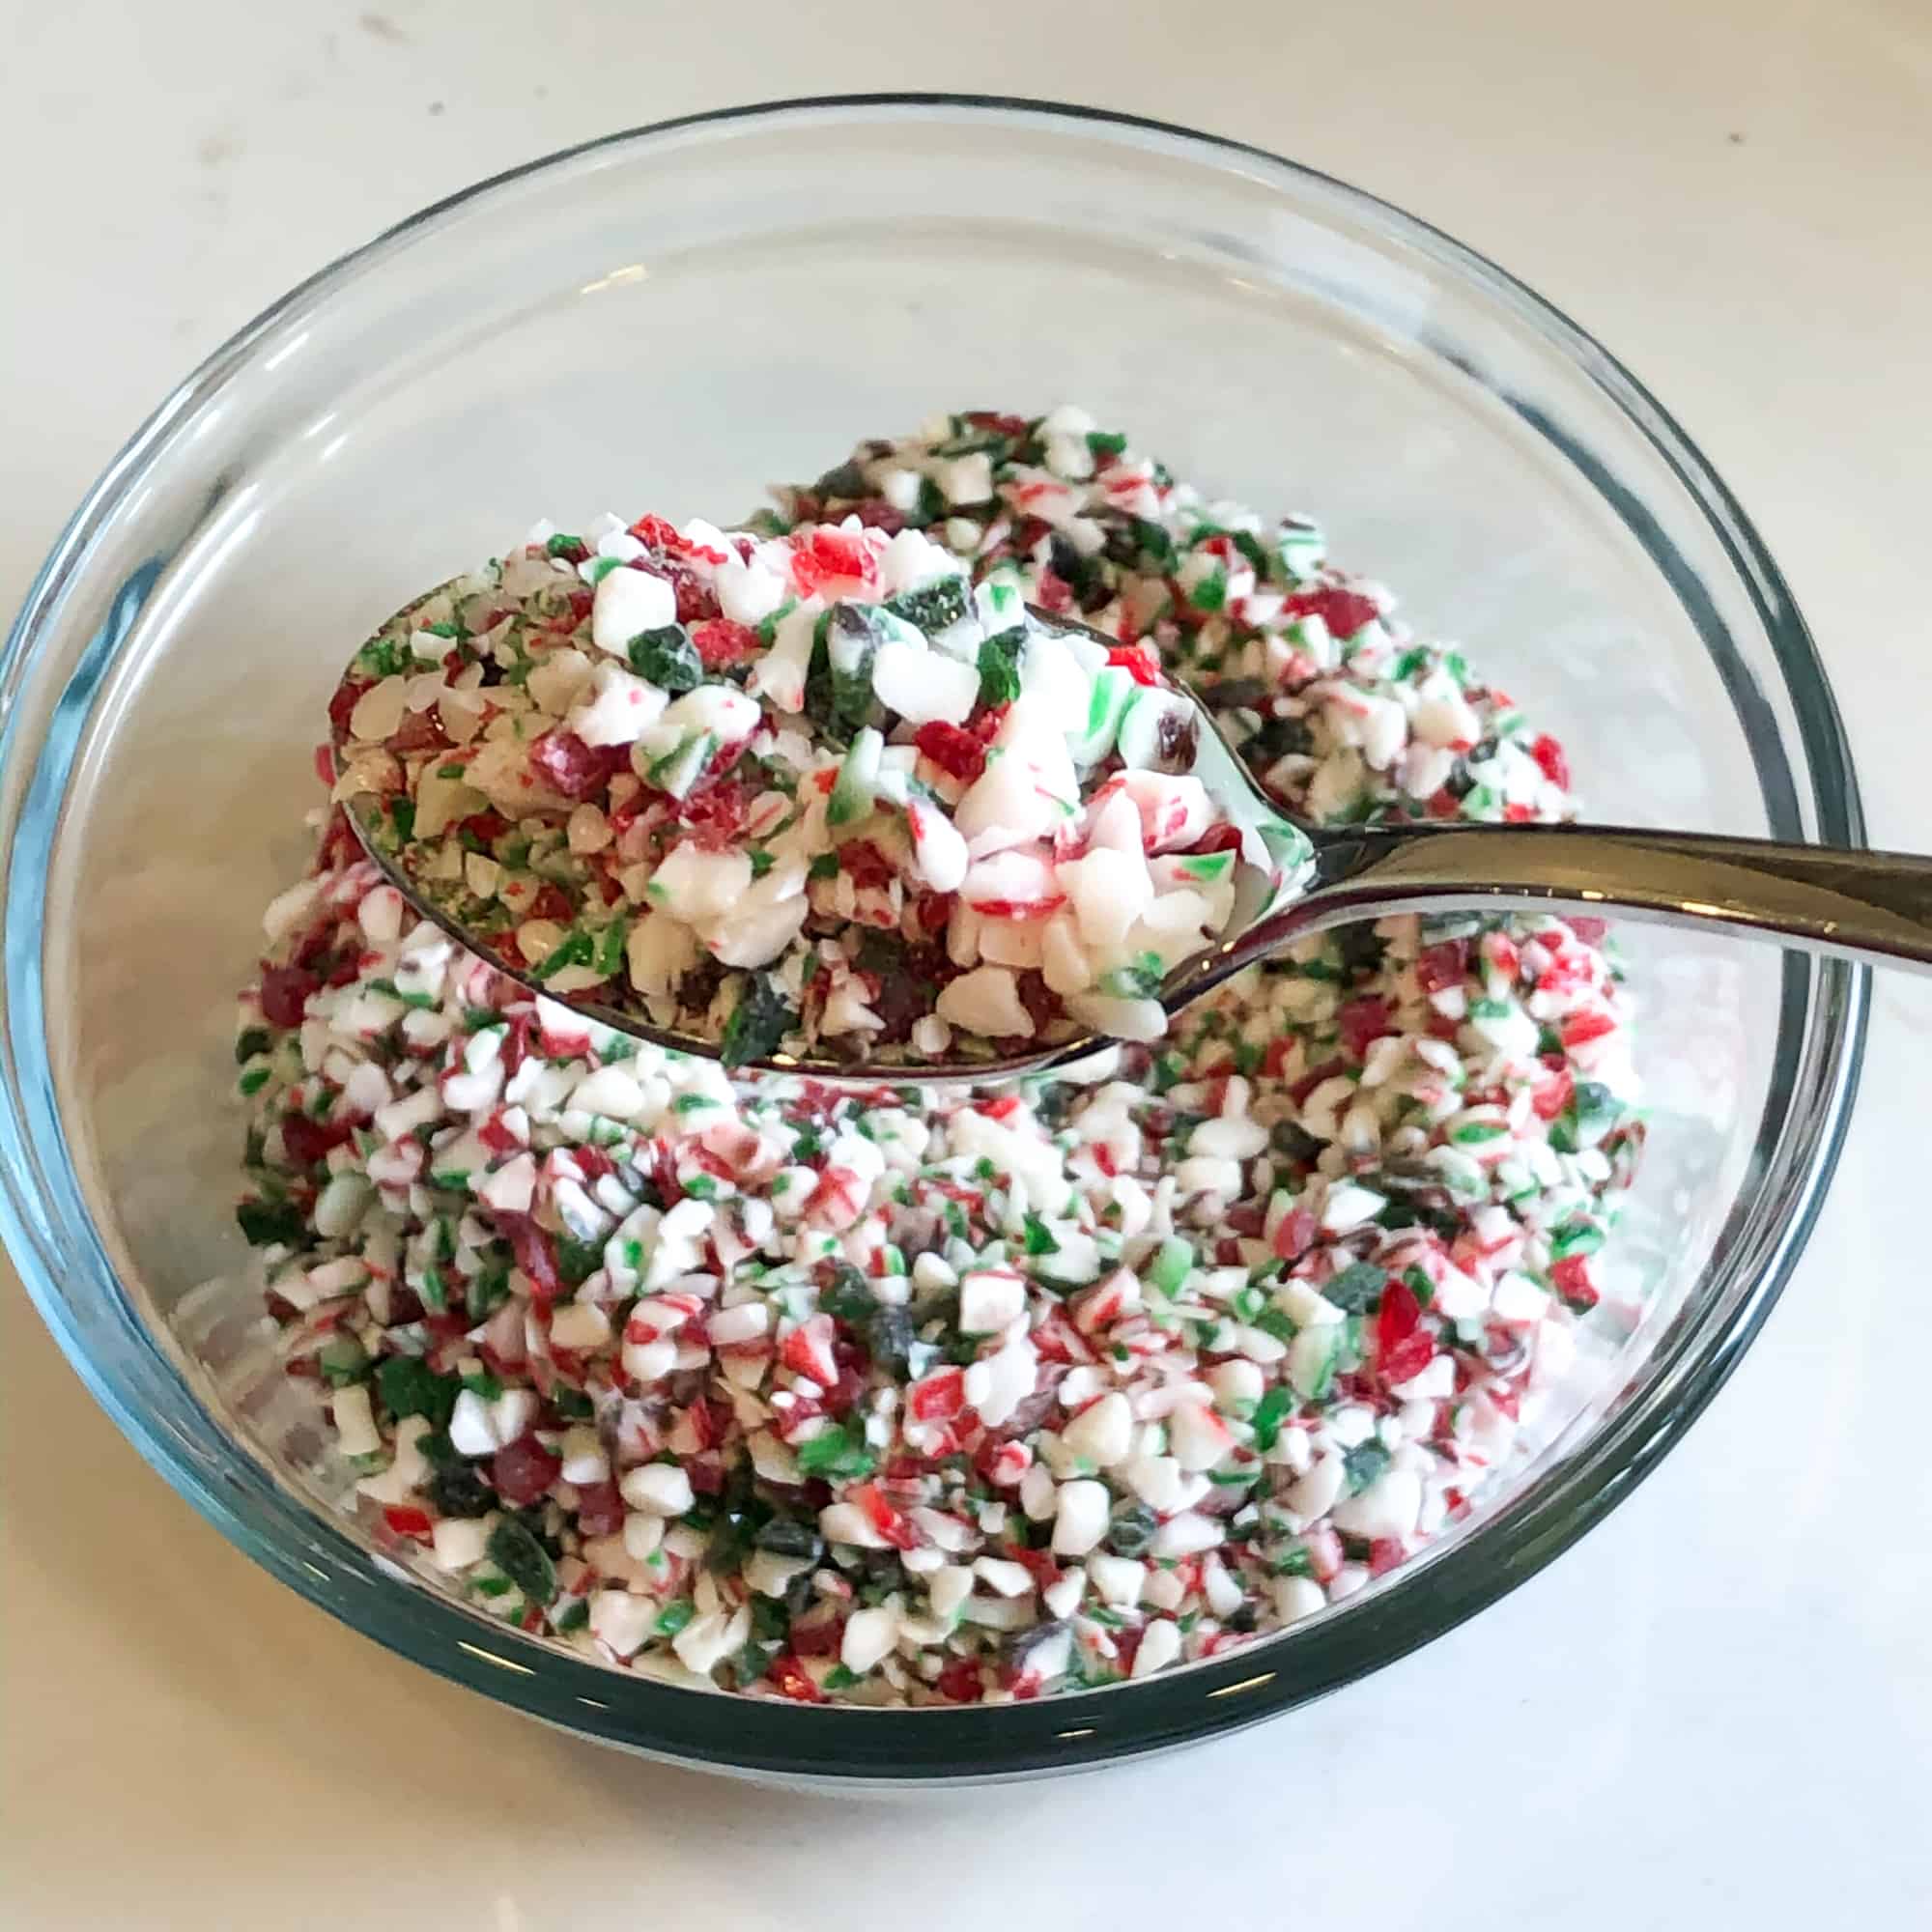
1273,861
1295,878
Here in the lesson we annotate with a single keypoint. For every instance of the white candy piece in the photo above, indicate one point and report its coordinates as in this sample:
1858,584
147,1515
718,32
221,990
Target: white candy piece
869,1640
658,1488
618,709
925,687
986,1000
621,1620
1389,1506
457,1542
1102,1432
626,603
989,1301
748,593
939,853
1080,1516
1159,1647
355,1431
706,1641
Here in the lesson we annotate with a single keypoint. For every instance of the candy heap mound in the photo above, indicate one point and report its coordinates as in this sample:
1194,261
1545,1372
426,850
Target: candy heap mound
893,1396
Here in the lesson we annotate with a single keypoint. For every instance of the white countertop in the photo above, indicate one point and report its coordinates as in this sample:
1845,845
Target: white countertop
1717,1708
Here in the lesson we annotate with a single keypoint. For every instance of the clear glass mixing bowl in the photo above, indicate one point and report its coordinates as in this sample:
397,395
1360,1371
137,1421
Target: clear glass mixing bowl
669,319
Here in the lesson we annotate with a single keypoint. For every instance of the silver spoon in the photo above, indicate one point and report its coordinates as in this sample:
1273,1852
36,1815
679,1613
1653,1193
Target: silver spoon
1862,905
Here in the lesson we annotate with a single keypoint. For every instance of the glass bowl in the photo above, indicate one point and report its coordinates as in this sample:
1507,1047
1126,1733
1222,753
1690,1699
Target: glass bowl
669,319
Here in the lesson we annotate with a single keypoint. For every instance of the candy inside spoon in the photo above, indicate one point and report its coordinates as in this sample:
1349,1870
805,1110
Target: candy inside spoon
870,822
814,804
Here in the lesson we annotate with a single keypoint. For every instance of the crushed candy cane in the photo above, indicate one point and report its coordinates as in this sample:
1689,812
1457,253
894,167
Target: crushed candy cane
813,789
892,1397
1338,708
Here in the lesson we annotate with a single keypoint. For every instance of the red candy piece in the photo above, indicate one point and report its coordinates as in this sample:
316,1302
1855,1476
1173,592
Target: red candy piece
536,1253
1293,1233
788,1677
1364,1021
1548,754
881,1516
864,864
957,754
1439,967
1221,839
721,643
572,769
308,1141
831,556
1554,1095
715,817
419,732
959,1682
937,1397
1579,1029
807,1350
600,1509
1343,612
1399,1316
1572,1278
523,1472
659,534
285,991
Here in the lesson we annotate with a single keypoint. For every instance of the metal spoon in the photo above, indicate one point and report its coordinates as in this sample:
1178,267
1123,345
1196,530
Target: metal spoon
1298,878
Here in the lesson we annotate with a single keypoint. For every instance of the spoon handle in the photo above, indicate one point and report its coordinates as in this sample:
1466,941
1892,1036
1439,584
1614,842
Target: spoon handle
1871,906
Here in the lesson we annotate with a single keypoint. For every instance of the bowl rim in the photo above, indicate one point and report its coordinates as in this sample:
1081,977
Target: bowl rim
1820,1039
